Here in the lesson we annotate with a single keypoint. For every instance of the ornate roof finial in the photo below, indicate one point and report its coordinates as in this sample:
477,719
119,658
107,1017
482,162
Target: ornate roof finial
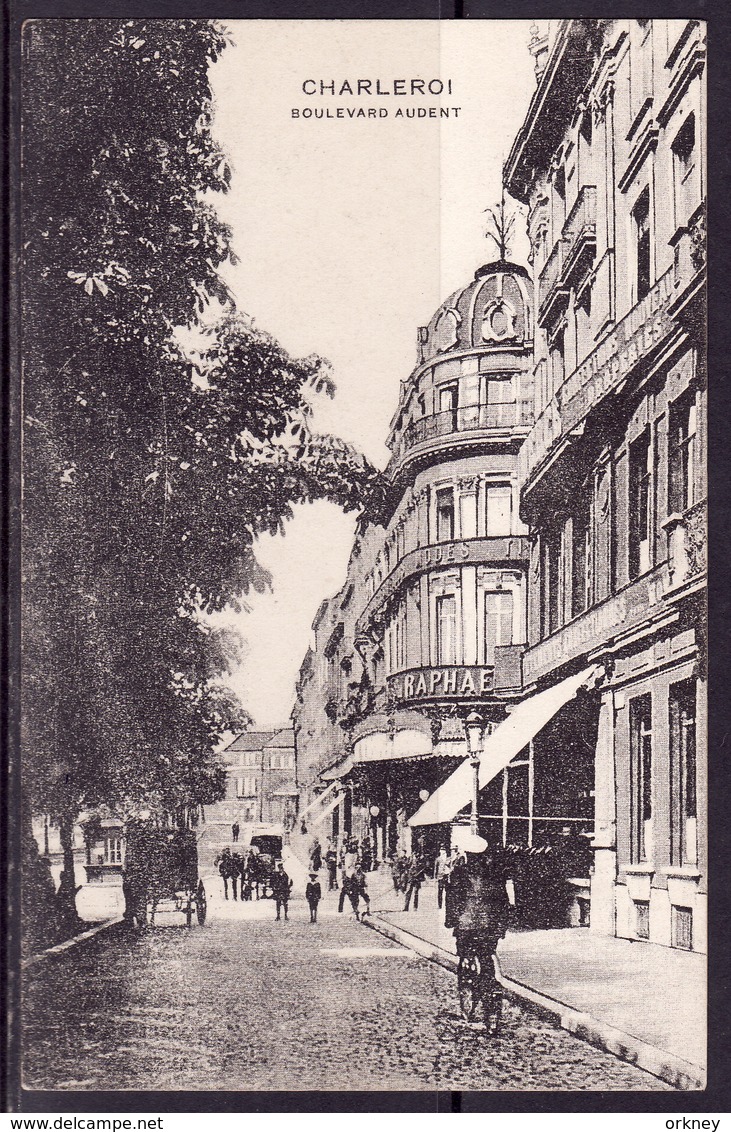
500,224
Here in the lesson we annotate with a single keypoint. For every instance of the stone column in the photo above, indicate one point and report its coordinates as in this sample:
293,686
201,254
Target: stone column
605,822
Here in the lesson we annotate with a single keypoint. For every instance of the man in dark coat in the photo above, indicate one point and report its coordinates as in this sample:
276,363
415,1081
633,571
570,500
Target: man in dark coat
281,887
225,868
415,877
331,860
477,907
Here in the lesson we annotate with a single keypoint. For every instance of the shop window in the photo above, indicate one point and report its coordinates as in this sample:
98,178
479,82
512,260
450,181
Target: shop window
580,561
684,163
498,505
682,702
682,453
640,510
642,919
641,221
445,514
681,928
498,622
641,777
446,629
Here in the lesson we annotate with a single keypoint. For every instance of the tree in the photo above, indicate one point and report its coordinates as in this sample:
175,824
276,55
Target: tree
163,432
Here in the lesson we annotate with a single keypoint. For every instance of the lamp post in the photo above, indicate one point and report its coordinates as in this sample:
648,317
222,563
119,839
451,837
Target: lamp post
473,734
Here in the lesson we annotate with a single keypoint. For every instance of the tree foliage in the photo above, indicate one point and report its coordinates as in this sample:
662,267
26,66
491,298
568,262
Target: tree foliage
163,432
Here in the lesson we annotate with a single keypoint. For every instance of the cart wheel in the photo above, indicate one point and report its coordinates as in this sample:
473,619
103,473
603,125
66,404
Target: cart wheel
201,904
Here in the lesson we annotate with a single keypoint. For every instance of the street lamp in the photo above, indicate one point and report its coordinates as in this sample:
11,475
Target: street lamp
473,734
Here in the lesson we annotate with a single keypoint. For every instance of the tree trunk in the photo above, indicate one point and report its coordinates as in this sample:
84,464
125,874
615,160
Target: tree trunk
66,895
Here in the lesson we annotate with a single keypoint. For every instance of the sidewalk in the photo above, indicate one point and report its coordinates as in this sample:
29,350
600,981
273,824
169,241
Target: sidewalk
640,1001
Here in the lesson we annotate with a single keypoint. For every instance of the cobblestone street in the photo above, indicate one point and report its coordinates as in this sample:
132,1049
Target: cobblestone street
248,1003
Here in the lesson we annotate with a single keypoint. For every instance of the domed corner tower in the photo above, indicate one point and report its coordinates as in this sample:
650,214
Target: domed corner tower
472,384
443,621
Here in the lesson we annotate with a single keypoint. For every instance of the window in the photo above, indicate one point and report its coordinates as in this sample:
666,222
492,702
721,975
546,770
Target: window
448,397
640,720
498,622
113,849
550,583
247,786
683,848
684,161
446,629
498,509
501,396
681,453
558,364
641,219
580,562
445,514
640,510
681,928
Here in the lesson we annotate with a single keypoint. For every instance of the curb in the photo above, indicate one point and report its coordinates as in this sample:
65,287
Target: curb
69,943
675,1071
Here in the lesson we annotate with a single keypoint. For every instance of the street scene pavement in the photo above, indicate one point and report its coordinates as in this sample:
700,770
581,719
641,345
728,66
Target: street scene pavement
248,1003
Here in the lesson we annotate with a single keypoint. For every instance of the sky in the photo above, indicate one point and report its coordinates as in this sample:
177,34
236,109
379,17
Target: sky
350,232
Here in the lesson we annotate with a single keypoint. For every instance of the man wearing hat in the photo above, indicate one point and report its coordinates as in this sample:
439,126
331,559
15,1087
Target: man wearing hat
478,907
313,895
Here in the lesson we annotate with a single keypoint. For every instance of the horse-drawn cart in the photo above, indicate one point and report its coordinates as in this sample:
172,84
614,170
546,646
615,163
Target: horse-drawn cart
161,874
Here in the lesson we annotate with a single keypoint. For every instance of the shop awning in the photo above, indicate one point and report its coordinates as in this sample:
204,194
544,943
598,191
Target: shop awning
323,813
523,723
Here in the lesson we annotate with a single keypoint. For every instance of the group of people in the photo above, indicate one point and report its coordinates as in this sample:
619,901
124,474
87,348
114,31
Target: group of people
248,874
352,862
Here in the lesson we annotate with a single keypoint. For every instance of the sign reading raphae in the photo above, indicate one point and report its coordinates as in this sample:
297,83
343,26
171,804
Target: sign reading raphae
461,681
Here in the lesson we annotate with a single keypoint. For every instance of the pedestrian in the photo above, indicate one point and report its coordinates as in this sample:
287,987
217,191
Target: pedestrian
237,866
345,886
441,873
414,878
331,860
316,855
366,854
281,887
235,829
303,827
358,891
313,895
225,865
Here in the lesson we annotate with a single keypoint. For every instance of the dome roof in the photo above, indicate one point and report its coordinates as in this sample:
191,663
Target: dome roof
491,311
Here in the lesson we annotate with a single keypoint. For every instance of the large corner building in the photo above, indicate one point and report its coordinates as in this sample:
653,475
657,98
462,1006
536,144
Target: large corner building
546,564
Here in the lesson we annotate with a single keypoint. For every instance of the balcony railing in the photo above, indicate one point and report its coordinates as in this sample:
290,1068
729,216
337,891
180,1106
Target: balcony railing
468,418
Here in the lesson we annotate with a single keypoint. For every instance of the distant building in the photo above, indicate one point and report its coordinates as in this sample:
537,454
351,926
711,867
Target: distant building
261,779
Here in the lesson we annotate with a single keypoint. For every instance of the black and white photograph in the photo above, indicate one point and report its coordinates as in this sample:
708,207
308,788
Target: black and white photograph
362,504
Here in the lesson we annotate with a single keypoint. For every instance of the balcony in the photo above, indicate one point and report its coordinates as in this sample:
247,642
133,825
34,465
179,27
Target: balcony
579,233
510,550
599,626
468,419
552,290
